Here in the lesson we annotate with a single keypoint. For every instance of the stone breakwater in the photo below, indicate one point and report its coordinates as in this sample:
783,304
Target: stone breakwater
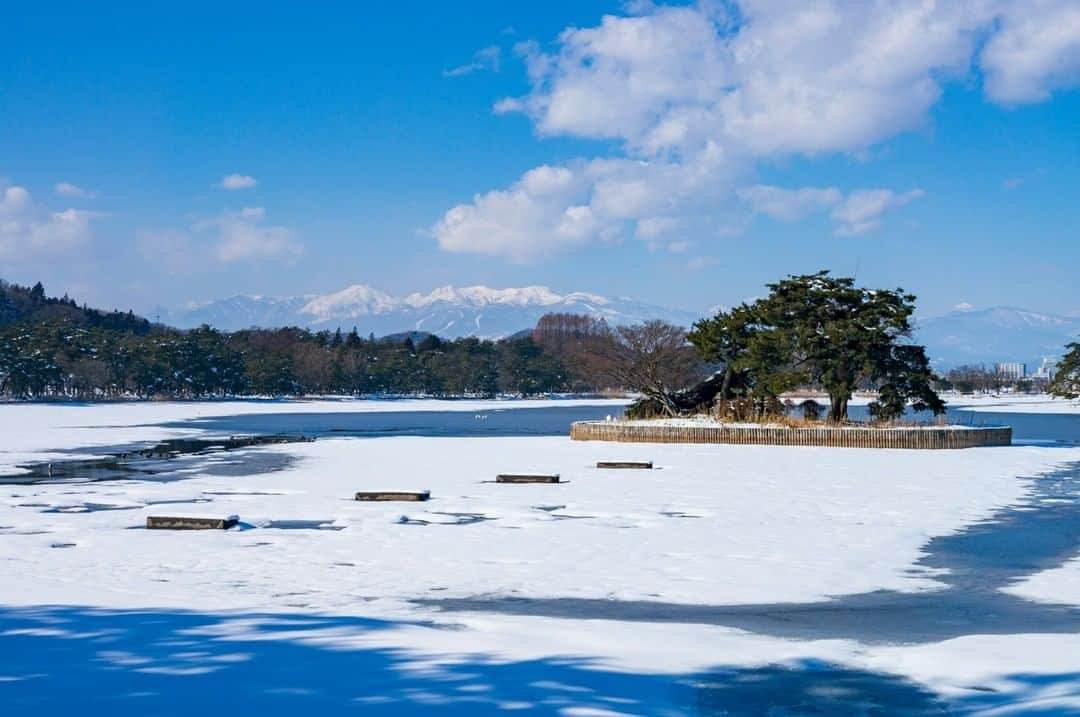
927,437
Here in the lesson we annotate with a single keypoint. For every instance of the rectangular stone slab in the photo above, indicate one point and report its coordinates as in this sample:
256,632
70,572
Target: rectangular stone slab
646,465
387,495
166,522
526,478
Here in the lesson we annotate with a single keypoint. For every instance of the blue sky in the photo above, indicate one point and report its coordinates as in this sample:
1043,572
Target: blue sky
679,154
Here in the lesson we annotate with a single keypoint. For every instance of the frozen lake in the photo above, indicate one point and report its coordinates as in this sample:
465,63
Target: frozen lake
730,580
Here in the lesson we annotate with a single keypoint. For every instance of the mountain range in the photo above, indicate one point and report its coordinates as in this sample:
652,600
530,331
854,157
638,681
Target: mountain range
1000,333
983,336
449,312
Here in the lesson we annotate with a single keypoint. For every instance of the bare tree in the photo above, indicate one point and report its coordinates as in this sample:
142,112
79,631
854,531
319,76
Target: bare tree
653,358
573,339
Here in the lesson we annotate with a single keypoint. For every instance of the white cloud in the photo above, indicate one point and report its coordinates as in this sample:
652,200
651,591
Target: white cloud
488,58
67,189
789,204
697,96
243,236
233,182
1035,51
653,227
539,213
964,306
858,212
231,236
826,76
699,263
28,229
861,212
552,209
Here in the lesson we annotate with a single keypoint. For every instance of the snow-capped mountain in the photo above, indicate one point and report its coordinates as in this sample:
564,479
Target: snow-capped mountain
983,336
1001,333
448,311
235,312
354,302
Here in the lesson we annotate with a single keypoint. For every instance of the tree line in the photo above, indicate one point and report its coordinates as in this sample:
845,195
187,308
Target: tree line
51,348
812,331
977,378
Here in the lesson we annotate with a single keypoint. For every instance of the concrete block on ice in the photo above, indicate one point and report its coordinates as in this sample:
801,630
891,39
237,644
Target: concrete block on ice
526,478
164,522
389,495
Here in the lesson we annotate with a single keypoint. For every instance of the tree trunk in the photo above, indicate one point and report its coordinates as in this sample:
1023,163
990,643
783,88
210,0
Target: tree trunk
838,409
726,386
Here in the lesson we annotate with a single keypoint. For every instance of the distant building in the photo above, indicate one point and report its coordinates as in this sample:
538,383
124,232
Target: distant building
1046,369
1011,370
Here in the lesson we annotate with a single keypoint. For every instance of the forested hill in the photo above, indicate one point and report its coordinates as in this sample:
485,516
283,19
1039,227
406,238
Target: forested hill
22,303
53,348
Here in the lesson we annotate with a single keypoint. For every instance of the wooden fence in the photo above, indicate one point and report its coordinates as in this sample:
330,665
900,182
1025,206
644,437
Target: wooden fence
843,437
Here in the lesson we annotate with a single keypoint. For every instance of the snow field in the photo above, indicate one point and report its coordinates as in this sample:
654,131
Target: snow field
712,524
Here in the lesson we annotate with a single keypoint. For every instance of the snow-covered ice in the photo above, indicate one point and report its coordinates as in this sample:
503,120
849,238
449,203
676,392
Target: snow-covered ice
1058,585
1015,403
41,431
711,525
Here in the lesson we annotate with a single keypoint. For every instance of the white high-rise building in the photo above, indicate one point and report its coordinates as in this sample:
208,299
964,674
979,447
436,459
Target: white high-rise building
1011,370
1046,369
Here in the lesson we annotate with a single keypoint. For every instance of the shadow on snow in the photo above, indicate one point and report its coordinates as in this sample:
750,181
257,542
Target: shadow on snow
62,660
1041,533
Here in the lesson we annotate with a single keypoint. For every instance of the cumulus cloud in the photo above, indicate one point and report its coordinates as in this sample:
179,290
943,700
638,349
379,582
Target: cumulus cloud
539,213
653,227
789,204
827,76
858,212
696,96
67,189
28,229
231,236
863,209
488,58
232,182
555,208
1035,51
699,263
242,235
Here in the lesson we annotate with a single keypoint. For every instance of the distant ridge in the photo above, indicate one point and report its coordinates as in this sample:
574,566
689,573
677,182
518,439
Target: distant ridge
448,311
977,336
1000,333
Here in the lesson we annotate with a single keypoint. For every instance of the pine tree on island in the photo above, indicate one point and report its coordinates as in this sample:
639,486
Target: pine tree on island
815,330
1066,383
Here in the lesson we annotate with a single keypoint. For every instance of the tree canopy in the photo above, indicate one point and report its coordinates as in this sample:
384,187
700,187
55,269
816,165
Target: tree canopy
50,348
1066,383
820,330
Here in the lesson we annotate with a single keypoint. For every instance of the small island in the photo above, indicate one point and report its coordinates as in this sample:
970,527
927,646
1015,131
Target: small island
812,332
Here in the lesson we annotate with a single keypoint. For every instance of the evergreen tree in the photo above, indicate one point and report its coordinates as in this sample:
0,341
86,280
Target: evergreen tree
1066,383
49,348
819,330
